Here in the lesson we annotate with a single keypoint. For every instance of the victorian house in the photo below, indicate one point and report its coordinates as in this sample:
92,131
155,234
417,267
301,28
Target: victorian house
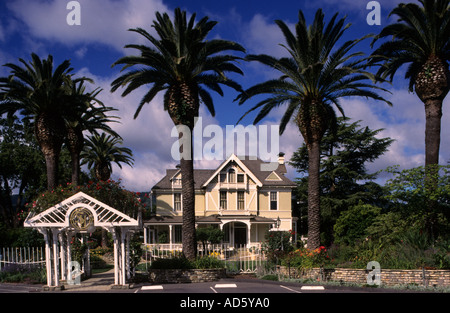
241,197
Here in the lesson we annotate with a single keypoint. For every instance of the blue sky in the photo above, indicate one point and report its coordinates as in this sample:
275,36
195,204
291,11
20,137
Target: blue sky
40,26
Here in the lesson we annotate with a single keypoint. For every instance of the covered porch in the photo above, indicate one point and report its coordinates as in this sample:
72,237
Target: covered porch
249,230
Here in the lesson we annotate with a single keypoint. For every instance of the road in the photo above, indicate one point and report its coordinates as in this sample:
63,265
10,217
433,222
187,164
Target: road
229,294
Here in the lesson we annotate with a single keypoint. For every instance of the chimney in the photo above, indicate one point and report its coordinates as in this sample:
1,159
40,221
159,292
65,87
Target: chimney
281,158
281,166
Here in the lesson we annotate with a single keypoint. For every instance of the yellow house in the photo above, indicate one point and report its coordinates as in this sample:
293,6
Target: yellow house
240,196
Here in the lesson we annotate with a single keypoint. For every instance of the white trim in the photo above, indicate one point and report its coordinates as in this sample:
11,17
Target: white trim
52,217
255,194
233,157
273,172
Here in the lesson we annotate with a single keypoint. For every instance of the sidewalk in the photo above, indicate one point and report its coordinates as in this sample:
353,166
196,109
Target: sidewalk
98,282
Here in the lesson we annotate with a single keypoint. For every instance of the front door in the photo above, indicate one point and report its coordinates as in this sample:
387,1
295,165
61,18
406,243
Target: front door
240,234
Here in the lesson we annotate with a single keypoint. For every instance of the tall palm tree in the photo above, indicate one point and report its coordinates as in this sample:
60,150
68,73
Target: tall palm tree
84,115
420,38
313,78
180,64
100,151
39,93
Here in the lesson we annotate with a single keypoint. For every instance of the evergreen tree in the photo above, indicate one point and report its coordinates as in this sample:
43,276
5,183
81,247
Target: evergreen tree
344,178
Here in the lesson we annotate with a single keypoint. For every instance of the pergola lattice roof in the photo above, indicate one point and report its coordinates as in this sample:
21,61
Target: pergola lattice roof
59,215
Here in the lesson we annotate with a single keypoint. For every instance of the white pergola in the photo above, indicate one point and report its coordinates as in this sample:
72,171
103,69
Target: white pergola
82,213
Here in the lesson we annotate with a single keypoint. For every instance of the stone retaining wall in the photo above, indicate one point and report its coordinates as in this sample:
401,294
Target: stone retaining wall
164,276
389,277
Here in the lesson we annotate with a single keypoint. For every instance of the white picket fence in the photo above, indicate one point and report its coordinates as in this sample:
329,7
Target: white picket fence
22,256
237,259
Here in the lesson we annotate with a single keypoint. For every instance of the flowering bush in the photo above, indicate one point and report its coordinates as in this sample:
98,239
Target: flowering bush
306,258
109,192
277,244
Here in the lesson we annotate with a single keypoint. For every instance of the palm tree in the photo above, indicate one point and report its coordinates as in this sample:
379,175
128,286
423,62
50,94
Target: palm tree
100,151
420,38
39,93
313,79
84,115
181,63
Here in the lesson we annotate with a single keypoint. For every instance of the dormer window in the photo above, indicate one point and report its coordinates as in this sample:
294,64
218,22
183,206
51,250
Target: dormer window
240,178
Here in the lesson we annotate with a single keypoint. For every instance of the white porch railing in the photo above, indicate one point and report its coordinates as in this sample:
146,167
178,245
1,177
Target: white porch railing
238,258
22,256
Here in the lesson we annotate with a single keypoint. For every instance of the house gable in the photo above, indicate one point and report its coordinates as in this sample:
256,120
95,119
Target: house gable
273,176
240,164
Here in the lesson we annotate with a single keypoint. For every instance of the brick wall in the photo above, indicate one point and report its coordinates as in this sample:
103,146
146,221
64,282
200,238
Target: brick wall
389,277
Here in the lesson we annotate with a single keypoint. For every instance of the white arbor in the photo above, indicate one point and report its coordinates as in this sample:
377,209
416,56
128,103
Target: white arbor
82,213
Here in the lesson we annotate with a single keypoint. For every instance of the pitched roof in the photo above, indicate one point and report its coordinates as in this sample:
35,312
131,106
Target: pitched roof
200,176
253,167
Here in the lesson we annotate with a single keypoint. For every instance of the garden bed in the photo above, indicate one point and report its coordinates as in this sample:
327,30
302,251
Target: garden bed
389,277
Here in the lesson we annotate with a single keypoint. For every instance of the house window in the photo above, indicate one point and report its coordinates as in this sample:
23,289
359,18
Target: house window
231,176
240,178
273,200
223,177
223,200
177,201
177,234
241,200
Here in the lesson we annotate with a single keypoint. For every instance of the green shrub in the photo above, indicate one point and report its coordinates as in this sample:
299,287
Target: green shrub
97,262
172,263
352,224
270,277
207,262
16,273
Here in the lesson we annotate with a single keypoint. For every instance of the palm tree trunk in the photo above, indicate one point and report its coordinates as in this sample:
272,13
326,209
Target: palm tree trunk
433,112
188,191
51,162
102,172
313,195
183,108
75,160
49,132
188,231
75,141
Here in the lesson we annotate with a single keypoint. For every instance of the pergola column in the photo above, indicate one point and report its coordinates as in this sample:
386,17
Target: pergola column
122,259
55,258
62,246
116,255
48,264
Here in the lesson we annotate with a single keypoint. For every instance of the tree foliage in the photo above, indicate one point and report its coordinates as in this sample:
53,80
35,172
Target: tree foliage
344,178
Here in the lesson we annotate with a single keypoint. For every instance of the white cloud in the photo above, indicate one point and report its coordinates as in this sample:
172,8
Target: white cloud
264,37
102,21
405,123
